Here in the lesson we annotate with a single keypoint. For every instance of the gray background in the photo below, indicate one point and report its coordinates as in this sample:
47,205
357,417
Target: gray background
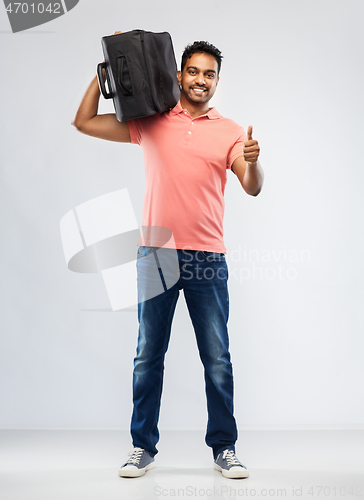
294,70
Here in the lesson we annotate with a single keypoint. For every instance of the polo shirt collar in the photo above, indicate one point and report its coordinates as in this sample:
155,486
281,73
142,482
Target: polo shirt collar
212,114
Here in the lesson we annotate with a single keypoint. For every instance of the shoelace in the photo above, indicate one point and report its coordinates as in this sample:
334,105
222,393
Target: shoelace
136,455
230,457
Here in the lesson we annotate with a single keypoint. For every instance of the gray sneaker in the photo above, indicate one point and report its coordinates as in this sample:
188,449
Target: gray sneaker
139,462
228,463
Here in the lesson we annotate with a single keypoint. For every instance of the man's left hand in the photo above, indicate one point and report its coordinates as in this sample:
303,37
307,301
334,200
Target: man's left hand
251,148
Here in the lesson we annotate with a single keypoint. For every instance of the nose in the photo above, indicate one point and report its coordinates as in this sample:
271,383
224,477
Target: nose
200,79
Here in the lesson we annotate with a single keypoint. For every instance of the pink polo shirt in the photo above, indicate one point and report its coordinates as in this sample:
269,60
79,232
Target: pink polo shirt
186,161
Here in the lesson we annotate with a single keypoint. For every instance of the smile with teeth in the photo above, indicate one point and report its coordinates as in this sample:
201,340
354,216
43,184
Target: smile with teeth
198,90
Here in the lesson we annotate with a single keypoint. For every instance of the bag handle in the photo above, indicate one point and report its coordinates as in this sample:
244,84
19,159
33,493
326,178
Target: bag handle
100,67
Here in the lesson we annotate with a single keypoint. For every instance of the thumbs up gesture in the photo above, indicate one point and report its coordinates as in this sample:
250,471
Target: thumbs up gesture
251,148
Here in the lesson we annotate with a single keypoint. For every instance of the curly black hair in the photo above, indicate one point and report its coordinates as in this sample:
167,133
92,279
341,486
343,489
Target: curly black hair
201,46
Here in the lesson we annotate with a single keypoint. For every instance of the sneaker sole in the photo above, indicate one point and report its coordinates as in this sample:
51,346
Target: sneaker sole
232,474
132,471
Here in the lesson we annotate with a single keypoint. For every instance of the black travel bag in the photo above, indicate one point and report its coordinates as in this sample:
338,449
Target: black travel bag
141,73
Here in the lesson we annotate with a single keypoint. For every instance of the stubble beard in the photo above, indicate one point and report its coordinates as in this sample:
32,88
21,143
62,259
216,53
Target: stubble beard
196,99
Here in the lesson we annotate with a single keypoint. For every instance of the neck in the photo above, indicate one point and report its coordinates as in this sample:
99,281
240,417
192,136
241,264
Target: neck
193,108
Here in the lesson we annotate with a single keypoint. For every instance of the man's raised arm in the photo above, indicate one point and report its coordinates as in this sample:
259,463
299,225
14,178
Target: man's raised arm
105,126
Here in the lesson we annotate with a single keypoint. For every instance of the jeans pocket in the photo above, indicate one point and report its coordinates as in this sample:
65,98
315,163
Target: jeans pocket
144,251
213,256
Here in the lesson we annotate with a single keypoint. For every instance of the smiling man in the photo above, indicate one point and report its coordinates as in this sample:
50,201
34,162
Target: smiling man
187,152
199,79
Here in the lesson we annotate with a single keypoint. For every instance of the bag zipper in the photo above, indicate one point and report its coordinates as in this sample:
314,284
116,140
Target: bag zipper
148,70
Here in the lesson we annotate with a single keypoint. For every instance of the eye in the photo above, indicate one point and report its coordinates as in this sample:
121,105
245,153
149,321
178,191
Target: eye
210,75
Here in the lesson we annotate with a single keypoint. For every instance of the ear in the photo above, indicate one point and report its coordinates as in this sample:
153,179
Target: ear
179,77
217,81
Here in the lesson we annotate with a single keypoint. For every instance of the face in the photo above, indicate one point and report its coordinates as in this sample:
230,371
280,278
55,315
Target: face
199,78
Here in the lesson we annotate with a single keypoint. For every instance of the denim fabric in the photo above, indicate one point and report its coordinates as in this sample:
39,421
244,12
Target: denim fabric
203,278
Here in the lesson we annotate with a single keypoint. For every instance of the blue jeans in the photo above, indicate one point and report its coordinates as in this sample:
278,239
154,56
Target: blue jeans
203,278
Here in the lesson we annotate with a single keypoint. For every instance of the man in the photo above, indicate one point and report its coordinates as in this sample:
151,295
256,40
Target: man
187,152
